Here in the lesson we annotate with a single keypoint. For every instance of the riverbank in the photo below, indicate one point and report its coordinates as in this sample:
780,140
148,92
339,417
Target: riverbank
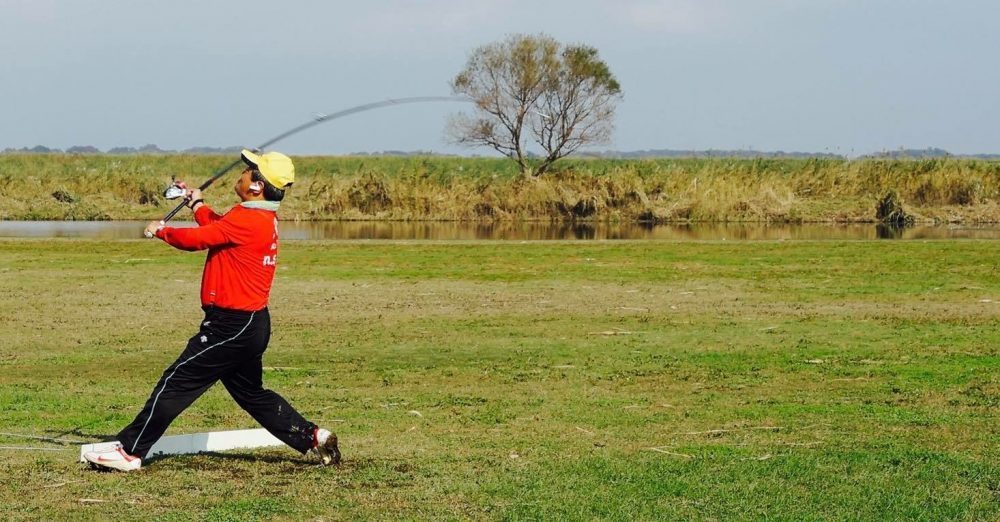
102,187
527,231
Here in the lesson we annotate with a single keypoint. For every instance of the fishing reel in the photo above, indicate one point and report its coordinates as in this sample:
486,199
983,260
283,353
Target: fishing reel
177,189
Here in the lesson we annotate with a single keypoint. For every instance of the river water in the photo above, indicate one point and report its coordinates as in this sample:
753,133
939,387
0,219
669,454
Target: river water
363,230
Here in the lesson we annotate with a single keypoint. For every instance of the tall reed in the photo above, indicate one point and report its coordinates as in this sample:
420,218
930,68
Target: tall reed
487,189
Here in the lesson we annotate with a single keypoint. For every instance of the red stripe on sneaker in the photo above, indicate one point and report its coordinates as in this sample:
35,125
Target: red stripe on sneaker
128,458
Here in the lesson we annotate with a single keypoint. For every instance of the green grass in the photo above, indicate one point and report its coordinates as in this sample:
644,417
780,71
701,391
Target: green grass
102,187
547,380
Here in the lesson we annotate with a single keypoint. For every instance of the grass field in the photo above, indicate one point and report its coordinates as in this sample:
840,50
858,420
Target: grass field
102,187
546,380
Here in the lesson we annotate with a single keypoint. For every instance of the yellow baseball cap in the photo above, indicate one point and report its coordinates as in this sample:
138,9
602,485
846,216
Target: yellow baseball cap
276,168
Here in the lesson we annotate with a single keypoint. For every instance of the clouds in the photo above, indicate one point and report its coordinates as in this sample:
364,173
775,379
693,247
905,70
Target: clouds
788,74
678,17
28,11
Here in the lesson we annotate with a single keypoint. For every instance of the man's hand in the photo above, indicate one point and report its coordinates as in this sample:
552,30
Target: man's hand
152,227
193,195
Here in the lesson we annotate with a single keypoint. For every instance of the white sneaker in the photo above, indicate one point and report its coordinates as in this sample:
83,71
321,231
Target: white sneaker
325,445
113,459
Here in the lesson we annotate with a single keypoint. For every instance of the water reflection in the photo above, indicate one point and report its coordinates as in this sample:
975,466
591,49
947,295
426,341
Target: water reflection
362,230
884,231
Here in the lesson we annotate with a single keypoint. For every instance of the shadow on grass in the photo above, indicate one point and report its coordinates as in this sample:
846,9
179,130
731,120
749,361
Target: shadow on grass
85,437
361,473
290,458
78,431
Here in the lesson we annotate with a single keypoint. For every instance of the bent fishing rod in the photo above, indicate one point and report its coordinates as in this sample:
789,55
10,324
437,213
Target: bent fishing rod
319,118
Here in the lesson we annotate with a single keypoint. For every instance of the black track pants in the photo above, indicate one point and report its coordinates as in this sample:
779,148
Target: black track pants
228,347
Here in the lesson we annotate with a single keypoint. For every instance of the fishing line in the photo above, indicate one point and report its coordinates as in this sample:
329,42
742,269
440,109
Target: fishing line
31,448
319,118
35,437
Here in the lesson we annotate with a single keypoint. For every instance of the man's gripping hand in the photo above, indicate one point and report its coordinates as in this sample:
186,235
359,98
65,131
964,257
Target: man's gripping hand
193,197
152,228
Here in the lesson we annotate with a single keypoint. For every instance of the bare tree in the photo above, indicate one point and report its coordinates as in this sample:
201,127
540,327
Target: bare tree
561,97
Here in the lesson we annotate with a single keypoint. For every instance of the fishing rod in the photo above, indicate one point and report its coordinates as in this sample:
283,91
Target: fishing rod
319,118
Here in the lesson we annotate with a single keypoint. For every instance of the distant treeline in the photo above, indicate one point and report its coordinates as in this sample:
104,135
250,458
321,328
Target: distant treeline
928,153
151,149
145,149
678,190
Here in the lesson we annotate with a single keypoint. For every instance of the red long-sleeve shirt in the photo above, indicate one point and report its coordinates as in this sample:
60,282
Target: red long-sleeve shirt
242,254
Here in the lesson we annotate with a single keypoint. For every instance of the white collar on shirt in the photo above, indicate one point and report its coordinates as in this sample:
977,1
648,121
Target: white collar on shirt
261,205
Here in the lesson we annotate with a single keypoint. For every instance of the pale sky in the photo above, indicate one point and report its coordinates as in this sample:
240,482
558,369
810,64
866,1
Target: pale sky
844,76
